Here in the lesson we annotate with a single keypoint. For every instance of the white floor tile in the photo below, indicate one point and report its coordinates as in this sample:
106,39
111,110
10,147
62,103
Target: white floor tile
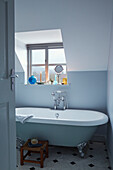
65,158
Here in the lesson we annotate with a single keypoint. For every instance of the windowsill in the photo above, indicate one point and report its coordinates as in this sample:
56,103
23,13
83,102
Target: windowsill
47,85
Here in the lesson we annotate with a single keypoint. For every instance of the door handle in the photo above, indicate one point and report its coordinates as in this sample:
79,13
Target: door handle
13,76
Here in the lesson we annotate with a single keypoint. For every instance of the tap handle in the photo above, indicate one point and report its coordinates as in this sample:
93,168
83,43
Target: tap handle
53,94
55,107
63,98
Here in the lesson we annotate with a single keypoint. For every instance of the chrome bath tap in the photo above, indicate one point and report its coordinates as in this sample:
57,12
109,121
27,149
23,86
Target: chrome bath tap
59,97
55,100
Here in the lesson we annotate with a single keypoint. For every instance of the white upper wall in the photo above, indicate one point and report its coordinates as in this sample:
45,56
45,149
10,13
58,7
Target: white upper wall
85,26
21,58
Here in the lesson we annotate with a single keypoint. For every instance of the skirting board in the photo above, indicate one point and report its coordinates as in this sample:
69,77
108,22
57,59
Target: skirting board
98,138
110,157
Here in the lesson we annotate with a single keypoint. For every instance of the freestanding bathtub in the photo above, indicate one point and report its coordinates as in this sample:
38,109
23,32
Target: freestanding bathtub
59,127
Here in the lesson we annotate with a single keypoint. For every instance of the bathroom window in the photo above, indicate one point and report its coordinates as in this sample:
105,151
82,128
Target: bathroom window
42,60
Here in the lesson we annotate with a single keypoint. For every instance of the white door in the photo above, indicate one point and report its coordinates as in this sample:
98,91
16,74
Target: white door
7,101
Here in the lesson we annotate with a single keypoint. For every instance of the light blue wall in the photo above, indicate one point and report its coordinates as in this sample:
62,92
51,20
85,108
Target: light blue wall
110,100
86,90
36,95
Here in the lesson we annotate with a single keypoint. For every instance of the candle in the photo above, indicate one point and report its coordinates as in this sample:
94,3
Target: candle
40,76
65,81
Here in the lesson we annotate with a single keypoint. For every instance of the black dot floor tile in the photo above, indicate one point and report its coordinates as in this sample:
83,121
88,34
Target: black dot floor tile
59,153
91,148
91,156
32,168
91,165
55,160
38,159
72,163
74,154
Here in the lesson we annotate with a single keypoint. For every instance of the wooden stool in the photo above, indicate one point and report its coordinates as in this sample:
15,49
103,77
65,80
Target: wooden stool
39,149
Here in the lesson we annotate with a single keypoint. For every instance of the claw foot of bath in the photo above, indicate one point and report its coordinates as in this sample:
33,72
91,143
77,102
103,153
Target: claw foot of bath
80,147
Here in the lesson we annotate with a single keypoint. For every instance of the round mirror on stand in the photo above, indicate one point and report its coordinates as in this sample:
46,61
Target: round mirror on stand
58,70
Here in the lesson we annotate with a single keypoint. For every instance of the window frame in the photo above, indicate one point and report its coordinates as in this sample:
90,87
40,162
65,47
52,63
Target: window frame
46,47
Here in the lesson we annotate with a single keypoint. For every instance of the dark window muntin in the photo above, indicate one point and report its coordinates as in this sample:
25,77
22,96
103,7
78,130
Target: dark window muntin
46,46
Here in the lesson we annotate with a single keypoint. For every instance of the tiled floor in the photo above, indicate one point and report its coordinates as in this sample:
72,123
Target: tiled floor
64,158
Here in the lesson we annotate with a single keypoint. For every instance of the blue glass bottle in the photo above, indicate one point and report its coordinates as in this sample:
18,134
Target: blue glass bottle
32,79
55,81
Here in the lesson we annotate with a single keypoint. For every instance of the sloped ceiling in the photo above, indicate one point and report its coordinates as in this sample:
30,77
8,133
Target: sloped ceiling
35,37
85,27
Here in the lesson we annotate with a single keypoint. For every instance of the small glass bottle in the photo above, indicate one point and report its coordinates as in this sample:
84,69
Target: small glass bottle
55,81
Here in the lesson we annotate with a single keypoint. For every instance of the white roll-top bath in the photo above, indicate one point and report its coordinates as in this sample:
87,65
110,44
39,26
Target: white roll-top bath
64,117
60,127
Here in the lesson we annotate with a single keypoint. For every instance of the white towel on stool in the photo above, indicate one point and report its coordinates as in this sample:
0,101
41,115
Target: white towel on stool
23,118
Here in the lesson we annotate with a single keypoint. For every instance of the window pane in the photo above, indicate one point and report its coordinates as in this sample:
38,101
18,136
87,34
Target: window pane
37,71
52,73
57,56
38,56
